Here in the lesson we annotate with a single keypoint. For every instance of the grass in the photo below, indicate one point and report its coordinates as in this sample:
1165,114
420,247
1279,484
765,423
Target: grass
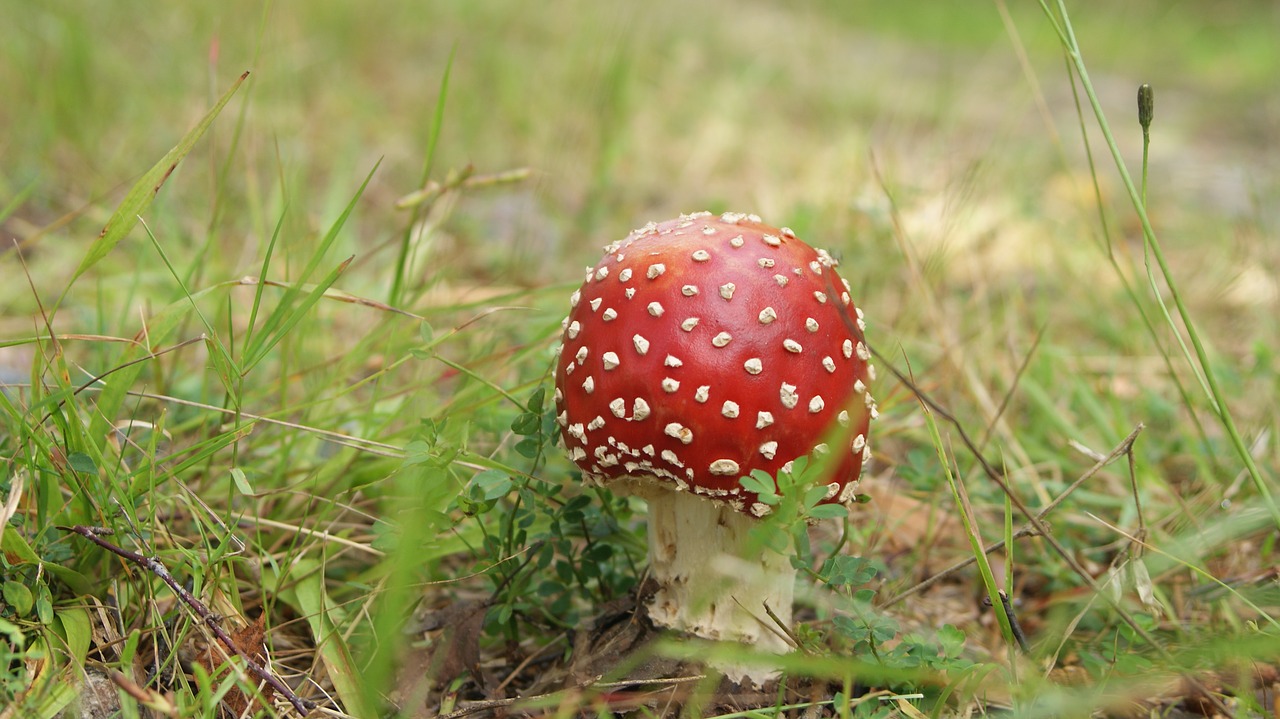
327,413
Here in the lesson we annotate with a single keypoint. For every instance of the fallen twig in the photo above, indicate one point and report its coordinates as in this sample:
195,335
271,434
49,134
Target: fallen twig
1027,530
211,620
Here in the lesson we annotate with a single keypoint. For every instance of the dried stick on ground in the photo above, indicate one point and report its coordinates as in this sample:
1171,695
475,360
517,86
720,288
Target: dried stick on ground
153,565
1027,530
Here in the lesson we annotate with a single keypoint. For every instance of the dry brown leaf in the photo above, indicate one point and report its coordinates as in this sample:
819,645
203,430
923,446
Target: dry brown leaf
907,522
458,647
249,642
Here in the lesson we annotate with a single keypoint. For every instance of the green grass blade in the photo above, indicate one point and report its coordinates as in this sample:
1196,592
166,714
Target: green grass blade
262,275
223,173
971,531
294,314
115,388
288,313
144,190
144,483
18,199
217,350
311,600
1130,290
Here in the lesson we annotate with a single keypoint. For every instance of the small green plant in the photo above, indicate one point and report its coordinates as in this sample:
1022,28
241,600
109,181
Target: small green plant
796,497
557,553
869,631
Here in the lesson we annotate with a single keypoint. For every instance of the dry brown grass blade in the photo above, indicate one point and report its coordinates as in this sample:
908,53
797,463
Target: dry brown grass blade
460,180
333,294
10,506
75,336
945,332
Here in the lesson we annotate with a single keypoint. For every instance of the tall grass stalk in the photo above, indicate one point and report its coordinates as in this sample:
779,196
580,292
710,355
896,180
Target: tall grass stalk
1205,369
1130,290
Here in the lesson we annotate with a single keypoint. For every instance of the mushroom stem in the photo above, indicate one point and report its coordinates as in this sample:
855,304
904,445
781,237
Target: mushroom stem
714,579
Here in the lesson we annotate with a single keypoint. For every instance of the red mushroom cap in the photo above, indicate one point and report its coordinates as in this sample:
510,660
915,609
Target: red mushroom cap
700,349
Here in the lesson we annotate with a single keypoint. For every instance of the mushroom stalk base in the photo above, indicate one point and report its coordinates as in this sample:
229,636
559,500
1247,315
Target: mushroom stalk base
713,580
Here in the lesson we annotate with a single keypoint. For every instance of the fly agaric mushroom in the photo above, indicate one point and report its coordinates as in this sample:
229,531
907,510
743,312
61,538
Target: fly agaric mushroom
697,351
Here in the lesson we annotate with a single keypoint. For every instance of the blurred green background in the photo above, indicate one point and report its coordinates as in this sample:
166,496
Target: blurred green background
812,114
626,111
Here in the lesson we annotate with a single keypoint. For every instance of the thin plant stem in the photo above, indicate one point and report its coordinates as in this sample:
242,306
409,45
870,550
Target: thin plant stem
1129,288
